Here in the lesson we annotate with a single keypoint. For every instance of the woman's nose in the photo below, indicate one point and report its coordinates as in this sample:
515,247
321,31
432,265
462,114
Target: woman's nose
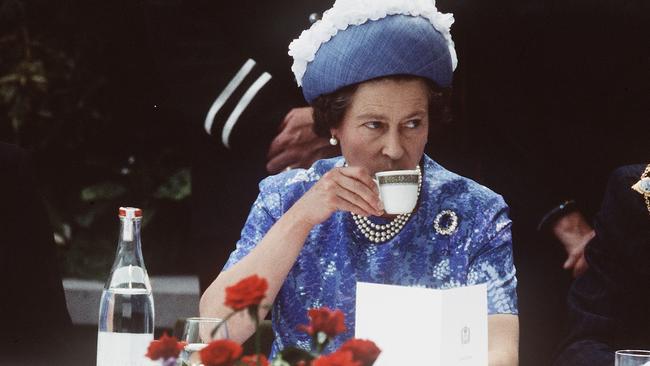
393,146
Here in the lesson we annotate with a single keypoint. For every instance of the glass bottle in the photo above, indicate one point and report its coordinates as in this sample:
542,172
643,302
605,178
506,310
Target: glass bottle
126,310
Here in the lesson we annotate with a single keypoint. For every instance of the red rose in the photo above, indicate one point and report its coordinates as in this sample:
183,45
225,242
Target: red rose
362,350
252,360
222,352
248,292
166,347
326,321
338,358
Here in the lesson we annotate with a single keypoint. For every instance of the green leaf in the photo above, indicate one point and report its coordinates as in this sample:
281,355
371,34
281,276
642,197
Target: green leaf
45,113
321,337
102,191
278,361
39,79
177,187
293,355
11,78
86,218
7,92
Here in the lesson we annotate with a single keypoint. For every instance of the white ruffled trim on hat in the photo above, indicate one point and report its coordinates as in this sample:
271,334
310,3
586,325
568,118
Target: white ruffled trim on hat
355,12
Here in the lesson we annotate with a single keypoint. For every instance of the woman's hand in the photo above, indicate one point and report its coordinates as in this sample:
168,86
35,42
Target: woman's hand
341,189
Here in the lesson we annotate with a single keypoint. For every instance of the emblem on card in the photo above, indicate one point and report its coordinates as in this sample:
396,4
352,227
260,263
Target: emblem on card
465,335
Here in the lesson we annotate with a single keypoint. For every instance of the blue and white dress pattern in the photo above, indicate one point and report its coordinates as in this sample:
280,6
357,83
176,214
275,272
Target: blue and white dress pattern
336,254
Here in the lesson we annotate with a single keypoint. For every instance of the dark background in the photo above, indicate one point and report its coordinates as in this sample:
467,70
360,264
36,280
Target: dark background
81,93
548,98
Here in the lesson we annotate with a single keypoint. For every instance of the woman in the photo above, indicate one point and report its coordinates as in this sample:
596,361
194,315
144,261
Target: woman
373,72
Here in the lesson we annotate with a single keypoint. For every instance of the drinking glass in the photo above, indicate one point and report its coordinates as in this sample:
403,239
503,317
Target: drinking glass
632,358
197,334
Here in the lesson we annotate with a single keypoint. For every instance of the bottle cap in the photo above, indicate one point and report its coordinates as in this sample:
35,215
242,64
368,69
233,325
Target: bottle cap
130,212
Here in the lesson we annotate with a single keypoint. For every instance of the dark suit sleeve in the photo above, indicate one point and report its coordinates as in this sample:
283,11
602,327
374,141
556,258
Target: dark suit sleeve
607,305
207,57
592,308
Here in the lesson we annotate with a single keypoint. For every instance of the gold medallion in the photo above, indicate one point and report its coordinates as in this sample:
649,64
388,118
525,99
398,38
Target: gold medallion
643,186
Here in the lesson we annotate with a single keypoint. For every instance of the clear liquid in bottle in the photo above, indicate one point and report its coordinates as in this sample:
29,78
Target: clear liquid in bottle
126,311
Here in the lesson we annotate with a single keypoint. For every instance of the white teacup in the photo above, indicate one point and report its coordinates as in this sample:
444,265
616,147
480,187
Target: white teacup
398,190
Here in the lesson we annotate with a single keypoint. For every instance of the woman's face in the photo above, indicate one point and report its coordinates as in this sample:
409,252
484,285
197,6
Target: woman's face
386,125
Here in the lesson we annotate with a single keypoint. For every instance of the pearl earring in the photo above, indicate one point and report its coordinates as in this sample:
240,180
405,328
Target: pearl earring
334,141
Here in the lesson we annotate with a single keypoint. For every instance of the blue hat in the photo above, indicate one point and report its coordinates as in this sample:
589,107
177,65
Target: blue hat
395,44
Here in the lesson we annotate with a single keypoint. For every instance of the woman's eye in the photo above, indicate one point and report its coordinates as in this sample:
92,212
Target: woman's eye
412,123
372,125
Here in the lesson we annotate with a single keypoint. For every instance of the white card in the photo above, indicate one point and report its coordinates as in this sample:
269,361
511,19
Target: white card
421,326
123,349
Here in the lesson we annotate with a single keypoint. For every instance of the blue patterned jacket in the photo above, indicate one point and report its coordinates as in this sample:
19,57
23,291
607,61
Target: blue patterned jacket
336,254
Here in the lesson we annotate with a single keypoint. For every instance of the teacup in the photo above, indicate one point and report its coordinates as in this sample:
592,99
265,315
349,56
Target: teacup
398,190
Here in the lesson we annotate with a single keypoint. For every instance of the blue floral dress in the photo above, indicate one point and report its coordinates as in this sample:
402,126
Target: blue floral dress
336,254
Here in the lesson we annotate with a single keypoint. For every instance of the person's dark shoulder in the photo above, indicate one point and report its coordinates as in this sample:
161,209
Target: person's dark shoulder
624,175
622,227
620,199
